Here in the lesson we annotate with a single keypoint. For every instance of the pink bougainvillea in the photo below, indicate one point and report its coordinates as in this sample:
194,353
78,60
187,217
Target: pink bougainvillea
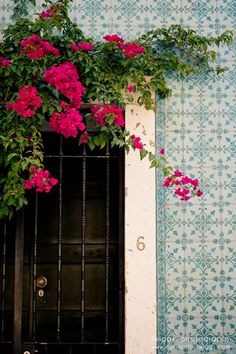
4,62
130,88
112,111
130,50
113,38
27,103
68,122
74,47
84,138
162,151
64,78
136,142
49,12
184,186
40,180
35,48
82,46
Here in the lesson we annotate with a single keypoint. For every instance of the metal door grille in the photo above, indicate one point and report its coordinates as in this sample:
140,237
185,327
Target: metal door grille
66,241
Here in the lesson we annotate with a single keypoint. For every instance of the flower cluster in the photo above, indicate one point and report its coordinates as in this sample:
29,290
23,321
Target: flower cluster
185,186
136,142
68,122
113,38
130,50
65,79
82,46
27,103
41,180
84,138
36,48
108,111
4,62
49,12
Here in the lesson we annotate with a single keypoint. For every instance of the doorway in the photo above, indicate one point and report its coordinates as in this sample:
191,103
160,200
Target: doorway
69,298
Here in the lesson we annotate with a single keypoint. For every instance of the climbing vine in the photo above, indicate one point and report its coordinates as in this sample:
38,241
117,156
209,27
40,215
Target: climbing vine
49,68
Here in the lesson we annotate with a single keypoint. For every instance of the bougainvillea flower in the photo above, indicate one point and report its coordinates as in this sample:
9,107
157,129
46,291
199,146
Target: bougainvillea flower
82,46
130,50
27,103
85,46
64,78
49,13
162,151
136,142
35,48
130,88
113,38
67,123
40,180
4,62
84,138
187,187
114,113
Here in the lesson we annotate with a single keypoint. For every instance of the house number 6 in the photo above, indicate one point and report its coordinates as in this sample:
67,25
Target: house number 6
140,244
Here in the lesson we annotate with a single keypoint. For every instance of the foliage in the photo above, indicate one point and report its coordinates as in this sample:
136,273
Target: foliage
108,72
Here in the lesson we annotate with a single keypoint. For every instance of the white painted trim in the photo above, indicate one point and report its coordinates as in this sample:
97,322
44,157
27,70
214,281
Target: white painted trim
140,220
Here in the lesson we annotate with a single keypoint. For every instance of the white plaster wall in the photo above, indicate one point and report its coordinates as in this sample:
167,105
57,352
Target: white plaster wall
140,264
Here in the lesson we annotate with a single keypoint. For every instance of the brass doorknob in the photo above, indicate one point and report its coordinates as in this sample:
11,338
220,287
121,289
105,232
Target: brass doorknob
41,282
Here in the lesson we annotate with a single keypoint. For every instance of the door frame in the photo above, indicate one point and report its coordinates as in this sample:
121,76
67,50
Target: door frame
140,238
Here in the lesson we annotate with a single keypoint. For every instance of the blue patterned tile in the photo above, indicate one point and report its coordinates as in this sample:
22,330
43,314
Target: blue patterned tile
198,13
201,148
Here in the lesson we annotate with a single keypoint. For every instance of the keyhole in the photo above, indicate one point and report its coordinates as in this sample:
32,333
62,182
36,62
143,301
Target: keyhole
41,293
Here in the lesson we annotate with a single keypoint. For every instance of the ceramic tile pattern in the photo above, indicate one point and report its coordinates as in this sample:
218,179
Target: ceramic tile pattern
196,242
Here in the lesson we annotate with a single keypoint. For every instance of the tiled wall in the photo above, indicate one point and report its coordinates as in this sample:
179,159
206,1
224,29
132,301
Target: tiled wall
196,242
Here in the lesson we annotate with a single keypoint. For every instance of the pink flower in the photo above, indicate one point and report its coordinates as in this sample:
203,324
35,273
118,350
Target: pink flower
41,180
199,193
194,183
176,182
5,62
187,187
74,47
183,193
178,173
35,48
130,88
84,138
85,46
162,151
130,50
136,142
113,38
185,180
108,111
27,103
49,13
167,182
68,122
64,78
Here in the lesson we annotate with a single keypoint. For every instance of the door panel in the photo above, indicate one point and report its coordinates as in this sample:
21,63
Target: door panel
73,237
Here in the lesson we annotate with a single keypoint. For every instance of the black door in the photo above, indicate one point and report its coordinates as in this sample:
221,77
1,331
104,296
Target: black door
68,295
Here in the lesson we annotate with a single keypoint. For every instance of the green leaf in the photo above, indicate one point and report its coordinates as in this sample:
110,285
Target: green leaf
143,153
10,156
